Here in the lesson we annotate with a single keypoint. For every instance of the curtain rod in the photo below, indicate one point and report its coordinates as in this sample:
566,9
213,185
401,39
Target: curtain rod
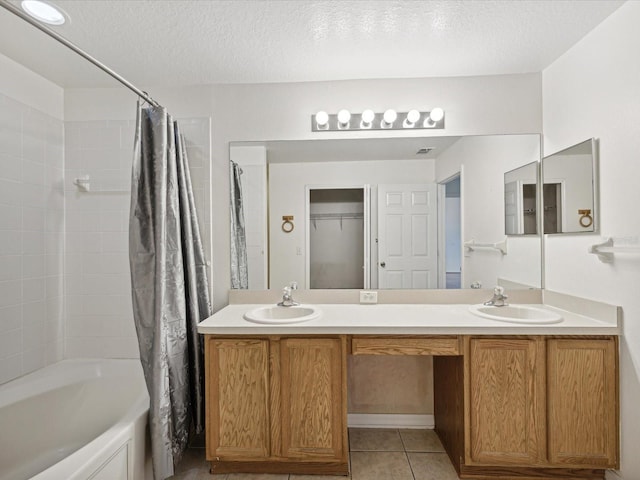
56,36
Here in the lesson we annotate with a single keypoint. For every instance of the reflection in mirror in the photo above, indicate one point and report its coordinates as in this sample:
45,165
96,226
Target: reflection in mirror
404,215
521,200
336,238
569,190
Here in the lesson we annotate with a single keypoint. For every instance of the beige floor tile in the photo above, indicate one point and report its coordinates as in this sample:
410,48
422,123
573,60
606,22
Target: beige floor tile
431,466
192,466
420,440
255,476
374,440
318,477
380,466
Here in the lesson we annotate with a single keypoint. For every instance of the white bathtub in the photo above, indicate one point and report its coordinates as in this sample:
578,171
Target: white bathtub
76,419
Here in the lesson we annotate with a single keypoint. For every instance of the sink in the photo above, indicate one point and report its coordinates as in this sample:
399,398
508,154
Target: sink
516,314
274,314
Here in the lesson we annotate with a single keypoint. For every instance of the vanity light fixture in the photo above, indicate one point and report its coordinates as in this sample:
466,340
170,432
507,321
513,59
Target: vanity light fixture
344,120
44,12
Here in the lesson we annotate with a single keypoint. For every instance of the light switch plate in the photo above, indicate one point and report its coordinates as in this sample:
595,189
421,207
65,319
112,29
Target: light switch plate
368,297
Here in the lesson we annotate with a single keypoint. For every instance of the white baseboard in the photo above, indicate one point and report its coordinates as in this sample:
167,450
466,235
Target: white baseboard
390,420
612,475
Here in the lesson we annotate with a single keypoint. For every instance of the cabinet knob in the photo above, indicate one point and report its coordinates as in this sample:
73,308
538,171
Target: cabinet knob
383,264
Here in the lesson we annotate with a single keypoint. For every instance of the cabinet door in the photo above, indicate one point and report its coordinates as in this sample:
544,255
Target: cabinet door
238,393
505,415
313,398
582,404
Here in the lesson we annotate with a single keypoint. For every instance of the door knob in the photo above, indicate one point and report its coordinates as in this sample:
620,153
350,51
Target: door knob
383,264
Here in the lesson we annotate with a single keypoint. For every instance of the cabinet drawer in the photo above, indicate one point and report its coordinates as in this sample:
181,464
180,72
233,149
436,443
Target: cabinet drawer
437,345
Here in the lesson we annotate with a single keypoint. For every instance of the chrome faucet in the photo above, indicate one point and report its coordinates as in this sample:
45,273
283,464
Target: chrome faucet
287,298
498,299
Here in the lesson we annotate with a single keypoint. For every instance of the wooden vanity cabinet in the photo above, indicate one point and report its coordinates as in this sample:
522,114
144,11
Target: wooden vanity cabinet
540,406
505,401
582,402
276,405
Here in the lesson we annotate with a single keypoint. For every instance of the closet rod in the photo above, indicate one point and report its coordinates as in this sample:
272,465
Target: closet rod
56,36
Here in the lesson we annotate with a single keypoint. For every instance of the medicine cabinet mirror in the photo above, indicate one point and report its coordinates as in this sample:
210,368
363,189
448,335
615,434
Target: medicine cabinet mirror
570,188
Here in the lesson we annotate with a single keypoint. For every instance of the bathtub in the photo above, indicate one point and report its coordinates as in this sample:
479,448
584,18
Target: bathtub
76,419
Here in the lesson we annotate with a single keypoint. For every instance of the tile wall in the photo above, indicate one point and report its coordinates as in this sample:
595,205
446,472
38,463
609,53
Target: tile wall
99,320
31,239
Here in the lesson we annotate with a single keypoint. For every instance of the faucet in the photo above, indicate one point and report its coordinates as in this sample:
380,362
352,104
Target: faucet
498,299
287,298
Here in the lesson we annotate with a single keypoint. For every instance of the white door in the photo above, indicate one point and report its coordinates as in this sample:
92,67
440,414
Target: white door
407,236
512,208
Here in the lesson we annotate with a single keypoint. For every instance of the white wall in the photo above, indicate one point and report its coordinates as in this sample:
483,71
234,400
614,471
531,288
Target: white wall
593,90
99,317
30,89
31,221
483,161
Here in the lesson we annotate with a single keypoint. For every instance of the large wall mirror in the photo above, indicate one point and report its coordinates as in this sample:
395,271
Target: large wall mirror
569,192
382,213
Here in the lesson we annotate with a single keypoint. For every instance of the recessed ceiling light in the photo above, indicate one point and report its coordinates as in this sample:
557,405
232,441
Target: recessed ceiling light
44,12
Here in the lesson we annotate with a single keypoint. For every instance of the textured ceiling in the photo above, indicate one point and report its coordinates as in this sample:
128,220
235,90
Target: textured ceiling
187,42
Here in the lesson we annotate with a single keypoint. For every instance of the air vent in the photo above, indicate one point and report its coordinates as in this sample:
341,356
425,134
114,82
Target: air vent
424,151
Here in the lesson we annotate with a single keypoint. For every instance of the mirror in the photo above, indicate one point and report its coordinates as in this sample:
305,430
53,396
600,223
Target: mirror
402,207
569,190
521,200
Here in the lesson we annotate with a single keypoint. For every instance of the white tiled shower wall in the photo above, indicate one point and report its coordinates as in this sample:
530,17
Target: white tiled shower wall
99,319
31,239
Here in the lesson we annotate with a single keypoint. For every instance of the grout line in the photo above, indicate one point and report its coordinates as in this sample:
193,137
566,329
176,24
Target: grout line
406,455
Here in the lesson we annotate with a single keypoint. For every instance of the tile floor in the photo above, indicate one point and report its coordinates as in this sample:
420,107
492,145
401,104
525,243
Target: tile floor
375,454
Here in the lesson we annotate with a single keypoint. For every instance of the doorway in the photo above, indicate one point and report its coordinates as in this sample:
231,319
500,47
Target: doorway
337,235
451,233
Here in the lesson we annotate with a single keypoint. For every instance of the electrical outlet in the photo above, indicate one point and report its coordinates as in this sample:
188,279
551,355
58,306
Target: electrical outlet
368,297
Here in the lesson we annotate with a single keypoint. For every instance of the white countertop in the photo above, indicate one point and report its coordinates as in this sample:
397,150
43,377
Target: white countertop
400,319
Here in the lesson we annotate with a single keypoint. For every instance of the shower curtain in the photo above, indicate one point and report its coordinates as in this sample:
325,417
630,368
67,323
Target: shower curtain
239,271
169,285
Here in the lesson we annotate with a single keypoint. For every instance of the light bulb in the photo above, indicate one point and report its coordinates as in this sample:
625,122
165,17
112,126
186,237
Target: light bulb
367,117
412,117
436,114
389,117
322,119
343,118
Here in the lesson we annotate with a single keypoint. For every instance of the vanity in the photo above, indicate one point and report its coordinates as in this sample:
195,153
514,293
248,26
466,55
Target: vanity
515,398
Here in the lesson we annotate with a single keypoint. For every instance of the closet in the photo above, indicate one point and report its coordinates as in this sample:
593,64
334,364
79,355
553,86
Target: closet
336,238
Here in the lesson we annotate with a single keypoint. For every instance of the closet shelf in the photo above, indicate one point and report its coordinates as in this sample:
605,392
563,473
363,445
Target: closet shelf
335,216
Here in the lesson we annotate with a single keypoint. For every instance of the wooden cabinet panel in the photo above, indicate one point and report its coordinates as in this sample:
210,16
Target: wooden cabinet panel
440,345
238,393
313,382
505,417
582,402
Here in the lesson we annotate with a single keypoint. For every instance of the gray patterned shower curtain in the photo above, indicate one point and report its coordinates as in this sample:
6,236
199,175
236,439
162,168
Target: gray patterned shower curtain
239,268
169,285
